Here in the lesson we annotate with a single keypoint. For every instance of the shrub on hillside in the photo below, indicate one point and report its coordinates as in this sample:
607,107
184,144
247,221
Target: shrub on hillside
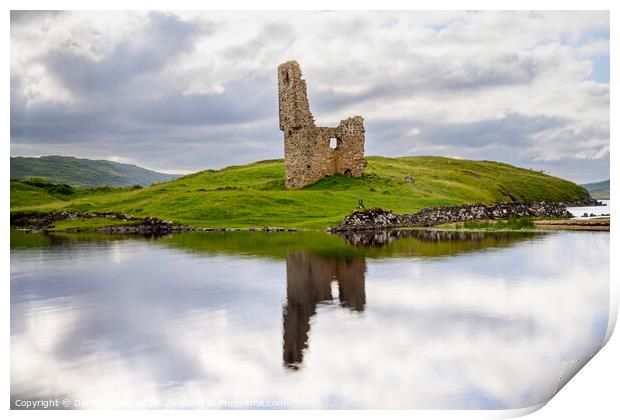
62,189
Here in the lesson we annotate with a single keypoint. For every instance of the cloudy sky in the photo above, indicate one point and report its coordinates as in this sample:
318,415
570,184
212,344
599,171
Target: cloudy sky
182,92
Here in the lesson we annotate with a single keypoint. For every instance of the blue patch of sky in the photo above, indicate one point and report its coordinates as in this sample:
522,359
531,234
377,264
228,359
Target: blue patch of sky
592,34
600,69
479,399
584,38
600,62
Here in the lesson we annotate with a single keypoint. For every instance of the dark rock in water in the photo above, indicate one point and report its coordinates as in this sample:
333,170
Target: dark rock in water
376,218
585,215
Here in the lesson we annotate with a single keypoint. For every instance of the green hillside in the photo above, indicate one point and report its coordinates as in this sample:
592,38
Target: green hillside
253,195
84,172
598,190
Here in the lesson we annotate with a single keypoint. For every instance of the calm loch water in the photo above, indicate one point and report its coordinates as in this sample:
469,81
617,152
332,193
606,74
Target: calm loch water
414,319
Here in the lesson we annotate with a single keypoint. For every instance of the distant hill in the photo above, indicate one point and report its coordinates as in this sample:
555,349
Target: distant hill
599,190
85,172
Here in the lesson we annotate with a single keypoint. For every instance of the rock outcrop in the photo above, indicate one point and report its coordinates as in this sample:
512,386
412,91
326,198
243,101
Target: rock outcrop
376,218
148,225
585,202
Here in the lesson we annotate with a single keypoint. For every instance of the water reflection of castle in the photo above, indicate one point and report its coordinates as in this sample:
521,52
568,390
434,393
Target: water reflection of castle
309,276
309,282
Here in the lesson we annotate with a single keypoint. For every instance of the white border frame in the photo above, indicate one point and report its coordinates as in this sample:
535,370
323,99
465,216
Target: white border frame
592,393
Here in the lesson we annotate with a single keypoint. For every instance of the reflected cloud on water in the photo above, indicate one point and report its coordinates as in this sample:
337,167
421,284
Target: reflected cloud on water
410,319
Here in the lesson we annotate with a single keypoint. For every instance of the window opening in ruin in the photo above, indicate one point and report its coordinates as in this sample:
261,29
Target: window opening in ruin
333,143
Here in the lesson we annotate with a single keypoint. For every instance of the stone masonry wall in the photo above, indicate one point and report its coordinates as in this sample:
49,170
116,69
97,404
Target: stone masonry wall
308,156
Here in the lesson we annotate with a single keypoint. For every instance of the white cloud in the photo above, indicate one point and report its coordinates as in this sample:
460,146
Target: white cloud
412,68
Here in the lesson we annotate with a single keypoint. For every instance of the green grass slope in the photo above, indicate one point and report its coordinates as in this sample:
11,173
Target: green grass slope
598,190
84,172
254,194
36,192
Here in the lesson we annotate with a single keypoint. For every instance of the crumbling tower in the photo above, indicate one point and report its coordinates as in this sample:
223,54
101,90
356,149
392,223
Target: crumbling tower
311,152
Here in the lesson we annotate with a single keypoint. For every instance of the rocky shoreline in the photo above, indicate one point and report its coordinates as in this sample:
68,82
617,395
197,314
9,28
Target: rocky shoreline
377,218
146,225
367,219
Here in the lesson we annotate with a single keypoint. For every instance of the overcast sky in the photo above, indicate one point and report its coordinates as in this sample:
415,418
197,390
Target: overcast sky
182,92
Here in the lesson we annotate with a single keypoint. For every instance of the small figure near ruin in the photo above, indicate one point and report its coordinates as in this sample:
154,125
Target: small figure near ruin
310,152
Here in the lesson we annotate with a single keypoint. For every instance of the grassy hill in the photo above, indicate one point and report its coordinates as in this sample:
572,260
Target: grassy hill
599,190
254,194
84,172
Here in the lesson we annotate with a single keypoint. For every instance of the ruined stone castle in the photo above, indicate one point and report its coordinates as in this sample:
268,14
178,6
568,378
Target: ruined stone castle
311,152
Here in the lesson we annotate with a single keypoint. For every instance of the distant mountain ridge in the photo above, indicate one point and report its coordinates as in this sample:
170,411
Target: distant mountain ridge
79,172
598,190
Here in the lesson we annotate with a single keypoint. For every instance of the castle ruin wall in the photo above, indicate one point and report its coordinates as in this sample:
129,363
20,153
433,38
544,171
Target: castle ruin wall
308,152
